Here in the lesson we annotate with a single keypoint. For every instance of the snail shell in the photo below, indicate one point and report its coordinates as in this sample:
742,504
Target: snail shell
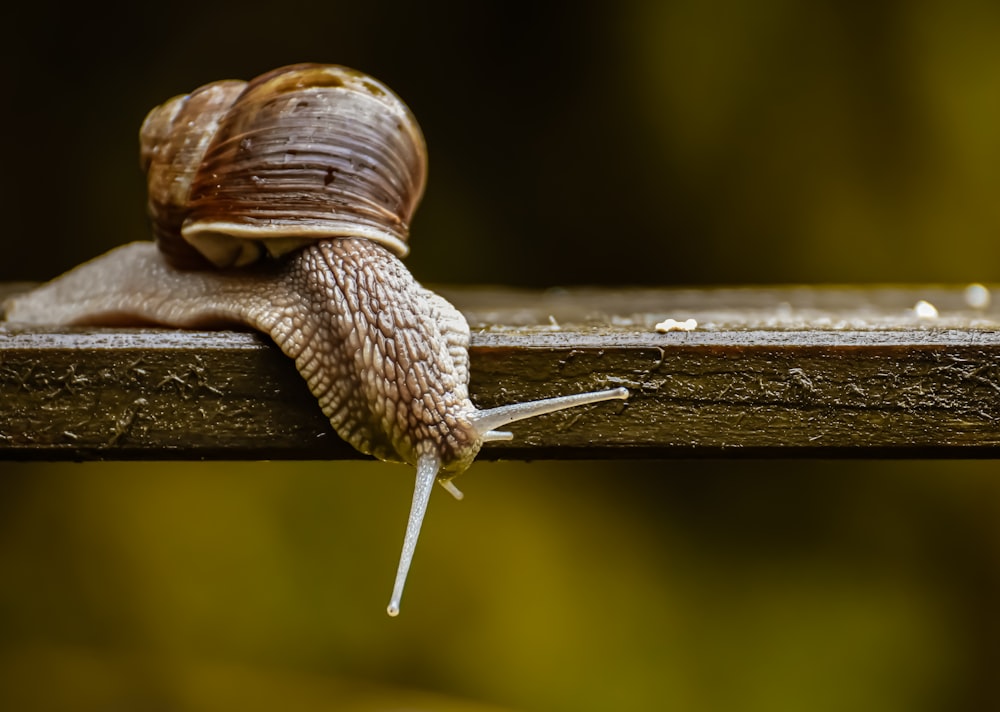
237,171
314,171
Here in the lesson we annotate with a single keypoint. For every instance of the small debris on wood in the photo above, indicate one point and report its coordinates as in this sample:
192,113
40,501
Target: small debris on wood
673,325
977,296
925,310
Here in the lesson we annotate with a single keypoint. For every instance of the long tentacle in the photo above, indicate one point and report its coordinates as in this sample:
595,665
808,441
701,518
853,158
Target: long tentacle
427,472
485,421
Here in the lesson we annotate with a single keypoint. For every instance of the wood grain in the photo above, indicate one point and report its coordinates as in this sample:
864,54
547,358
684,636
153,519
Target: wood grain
794,371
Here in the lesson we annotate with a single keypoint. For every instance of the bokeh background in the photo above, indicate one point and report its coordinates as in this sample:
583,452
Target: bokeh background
675,142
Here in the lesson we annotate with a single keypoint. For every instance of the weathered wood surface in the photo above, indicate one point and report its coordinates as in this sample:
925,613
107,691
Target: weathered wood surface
768,372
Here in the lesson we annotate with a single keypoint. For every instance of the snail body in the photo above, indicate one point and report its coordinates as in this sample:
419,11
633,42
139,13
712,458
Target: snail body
284,204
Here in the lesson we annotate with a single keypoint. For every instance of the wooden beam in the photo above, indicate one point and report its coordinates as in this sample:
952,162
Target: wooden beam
793,371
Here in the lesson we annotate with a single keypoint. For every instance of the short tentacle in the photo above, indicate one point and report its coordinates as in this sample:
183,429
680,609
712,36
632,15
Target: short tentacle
451,489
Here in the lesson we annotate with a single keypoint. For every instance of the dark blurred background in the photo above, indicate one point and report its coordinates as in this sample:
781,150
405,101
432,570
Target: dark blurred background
570,143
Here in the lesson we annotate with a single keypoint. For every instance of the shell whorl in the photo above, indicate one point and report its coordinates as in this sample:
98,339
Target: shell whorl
239,170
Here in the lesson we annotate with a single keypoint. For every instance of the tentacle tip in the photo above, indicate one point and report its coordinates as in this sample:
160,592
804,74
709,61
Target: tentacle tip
451,489
621,393
392,609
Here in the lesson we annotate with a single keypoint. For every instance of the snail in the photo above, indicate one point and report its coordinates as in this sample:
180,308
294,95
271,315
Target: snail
284,204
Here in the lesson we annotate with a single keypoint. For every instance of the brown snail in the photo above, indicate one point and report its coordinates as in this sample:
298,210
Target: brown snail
284,204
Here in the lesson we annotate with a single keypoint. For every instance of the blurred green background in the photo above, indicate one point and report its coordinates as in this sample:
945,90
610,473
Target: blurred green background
571,143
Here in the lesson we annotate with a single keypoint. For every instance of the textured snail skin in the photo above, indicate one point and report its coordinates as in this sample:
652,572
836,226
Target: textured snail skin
284,204
385,358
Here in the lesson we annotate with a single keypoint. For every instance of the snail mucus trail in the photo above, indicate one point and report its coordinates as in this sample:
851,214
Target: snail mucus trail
284,204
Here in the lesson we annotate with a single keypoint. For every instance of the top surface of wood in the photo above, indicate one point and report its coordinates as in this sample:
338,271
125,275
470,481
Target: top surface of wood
636,311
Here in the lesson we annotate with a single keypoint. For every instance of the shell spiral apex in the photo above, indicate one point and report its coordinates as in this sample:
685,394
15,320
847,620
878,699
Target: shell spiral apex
239,170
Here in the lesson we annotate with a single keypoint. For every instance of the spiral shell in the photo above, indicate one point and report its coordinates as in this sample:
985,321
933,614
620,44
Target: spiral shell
240,170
